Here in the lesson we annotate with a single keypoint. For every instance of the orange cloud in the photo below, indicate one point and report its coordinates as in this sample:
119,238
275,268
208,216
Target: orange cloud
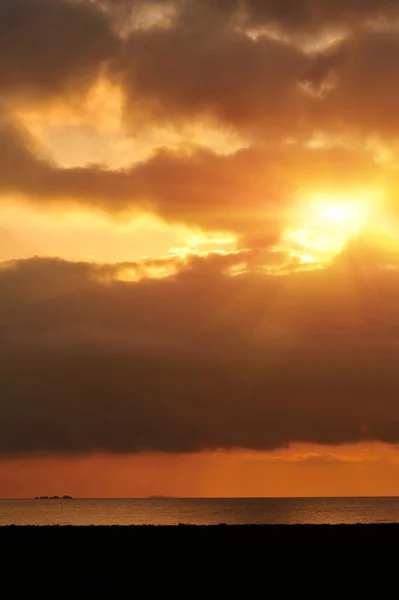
248,193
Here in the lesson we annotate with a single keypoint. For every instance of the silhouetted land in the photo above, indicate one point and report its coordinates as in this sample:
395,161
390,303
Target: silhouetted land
53,498
186,537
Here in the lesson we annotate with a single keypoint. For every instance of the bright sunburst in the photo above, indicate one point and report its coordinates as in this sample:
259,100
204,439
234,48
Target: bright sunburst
324,223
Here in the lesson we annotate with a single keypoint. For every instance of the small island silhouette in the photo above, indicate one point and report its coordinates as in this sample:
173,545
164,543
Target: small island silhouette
159,497
53,497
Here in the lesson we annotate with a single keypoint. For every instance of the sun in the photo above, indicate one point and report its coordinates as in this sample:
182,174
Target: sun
342,215
323,224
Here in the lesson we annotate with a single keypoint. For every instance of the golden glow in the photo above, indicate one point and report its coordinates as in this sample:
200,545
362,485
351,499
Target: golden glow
92,130
83,235
202,244
339,214
325,222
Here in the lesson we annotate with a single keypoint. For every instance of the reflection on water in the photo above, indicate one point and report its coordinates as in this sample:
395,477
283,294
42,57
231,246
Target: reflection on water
199,511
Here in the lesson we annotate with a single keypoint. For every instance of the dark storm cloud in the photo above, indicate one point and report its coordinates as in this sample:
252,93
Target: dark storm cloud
51,47
128,7
291,15
313,15
206,68
203,67
172,76
305,16
35,279
364,98
202,360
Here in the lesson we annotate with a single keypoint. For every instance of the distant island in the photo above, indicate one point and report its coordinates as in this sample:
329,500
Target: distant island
159,497
53,497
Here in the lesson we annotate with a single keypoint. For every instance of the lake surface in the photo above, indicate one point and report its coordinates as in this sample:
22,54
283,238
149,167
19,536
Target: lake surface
199,511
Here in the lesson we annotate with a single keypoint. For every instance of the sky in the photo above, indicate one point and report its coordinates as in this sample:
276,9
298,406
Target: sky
199,256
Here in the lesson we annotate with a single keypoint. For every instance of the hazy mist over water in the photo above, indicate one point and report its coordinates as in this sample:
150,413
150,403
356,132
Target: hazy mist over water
234,511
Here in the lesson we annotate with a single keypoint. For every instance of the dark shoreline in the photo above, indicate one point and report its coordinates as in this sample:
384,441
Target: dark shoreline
205,535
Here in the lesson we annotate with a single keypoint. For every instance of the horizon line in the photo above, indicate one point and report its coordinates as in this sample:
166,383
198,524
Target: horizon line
161,497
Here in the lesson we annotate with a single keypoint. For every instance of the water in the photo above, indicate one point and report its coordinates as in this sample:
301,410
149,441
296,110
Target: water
199,511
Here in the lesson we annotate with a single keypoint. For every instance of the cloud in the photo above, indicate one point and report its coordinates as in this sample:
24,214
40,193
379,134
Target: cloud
249,192
313,15
292,16
206,66
210,68
33,280
362,101
172,76
51,48
202,360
